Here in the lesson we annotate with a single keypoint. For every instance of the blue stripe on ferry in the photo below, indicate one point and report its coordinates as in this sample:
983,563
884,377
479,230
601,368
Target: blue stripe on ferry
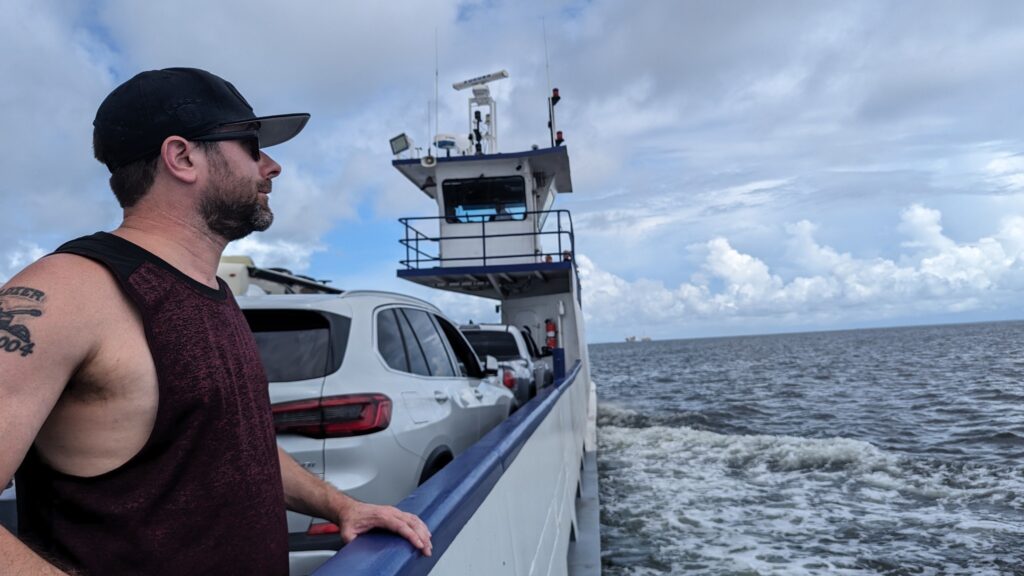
473,158
490,269
449,499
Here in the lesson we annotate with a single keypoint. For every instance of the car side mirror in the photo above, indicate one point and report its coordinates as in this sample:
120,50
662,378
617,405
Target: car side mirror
491,365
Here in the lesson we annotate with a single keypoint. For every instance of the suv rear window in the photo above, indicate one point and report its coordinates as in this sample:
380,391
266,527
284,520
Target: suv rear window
299,344
501,345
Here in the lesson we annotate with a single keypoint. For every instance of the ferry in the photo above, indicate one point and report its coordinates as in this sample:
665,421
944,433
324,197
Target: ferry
523,500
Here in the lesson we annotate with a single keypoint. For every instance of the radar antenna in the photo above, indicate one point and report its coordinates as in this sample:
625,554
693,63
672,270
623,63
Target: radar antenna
483,129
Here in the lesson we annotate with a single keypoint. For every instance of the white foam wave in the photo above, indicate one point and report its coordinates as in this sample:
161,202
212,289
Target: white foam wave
700,502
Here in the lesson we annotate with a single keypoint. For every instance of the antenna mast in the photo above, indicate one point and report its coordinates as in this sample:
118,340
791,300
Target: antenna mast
547,63
556,136
436,75
483,129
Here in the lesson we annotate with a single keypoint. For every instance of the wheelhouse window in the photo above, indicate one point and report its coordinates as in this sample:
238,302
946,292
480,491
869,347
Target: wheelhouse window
484,199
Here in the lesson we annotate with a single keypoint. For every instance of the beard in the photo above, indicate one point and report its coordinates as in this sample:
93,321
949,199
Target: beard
232,208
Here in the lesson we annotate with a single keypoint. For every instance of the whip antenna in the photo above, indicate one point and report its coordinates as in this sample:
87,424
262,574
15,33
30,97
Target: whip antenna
436,74
547,64
556,136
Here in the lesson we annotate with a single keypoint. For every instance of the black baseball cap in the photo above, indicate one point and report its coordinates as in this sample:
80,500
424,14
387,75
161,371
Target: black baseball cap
135,119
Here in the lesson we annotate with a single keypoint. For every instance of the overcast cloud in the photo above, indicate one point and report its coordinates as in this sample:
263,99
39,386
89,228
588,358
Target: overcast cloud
739,166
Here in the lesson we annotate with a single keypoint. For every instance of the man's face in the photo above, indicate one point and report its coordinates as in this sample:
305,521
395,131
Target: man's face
234,205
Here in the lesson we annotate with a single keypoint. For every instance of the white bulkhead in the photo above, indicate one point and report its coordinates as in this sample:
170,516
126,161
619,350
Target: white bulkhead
492,204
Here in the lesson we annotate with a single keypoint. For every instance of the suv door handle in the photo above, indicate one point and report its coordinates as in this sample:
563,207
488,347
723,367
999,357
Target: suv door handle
440,396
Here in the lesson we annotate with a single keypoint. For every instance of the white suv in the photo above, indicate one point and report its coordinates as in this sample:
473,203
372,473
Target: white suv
373,391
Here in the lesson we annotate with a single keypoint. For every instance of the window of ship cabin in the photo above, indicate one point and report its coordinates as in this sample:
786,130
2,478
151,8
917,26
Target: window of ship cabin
484,199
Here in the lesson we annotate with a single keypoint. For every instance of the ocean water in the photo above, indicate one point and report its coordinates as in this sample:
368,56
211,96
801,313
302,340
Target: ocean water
891,451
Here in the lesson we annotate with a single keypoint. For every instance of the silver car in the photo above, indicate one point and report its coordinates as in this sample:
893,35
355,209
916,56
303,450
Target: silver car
373,391
523,368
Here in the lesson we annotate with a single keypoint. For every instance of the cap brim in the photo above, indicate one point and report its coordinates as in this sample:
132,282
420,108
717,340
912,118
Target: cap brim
280,128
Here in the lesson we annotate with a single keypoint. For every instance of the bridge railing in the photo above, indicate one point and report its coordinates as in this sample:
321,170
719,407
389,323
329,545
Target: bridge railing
451,497
423,250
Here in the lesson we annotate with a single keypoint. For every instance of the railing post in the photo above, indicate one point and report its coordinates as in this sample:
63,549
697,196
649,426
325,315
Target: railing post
416,236
406,224
559,233
419,253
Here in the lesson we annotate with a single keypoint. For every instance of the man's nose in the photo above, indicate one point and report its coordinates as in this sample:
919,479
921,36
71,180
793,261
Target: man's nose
268,167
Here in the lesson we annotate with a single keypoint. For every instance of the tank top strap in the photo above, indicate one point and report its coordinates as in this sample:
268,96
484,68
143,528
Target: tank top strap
123,258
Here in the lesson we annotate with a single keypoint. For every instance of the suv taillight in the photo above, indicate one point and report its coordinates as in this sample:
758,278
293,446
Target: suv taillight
320,529
508,379
333,416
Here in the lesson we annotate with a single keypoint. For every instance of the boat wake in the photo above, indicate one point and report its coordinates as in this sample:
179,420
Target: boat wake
677,498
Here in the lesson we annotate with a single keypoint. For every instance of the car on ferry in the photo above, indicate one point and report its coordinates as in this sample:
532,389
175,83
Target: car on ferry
373,391
523,368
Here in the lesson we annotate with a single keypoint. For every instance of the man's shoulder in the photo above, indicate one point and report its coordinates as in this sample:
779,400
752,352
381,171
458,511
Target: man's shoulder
65,282
64,269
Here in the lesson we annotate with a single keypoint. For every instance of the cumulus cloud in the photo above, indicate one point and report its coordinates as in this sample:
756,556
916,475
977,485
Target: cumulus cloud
294,256
22,255
923,226
937,275
853,116
1007,171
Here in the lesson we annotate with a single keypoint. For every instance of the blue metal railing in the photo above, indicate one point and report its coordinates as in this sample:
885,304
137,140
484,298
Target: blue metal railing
424,251
449,499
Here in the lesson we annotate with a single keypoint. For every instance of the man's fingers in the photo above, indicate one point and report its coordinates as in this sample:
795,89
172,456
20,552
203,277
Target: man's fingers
410,527
420,528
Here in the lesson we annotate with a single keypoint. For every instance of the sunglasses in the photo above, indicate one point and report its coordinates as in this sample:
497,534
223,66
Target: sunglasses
249,138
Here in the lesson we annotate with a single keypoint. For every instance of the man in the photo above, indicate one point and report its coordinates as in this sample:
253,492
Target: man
131,392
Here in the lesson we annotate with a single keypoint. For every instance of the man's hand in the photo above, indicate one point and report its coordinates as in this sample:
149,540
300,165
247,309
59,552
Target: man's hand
355,518
308,494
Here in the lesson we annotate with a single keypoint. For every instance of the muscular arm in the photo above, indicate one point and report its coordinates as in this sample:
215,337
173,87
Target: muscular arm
16,558
308,494
42,342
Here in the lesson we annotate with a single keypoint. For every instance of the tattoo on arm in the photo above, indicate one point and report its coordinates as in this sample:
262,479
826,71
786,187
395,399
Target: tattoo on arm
18,305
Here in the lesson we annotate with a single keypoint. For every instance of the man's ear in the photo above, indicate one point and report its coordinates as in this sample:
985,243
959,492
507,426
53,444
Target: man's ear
179,157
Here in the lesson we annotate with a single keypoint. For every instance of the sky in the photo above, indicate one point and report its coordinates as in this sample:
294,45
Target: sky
739,167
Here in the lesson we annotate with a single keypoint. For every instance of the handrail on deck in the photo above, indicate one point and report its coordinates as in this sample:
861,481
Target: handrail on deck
417,244
449,499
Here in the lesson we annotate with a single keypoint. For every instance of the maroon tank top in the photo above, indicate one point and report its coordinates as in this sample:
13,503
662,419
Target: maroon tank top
204,495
